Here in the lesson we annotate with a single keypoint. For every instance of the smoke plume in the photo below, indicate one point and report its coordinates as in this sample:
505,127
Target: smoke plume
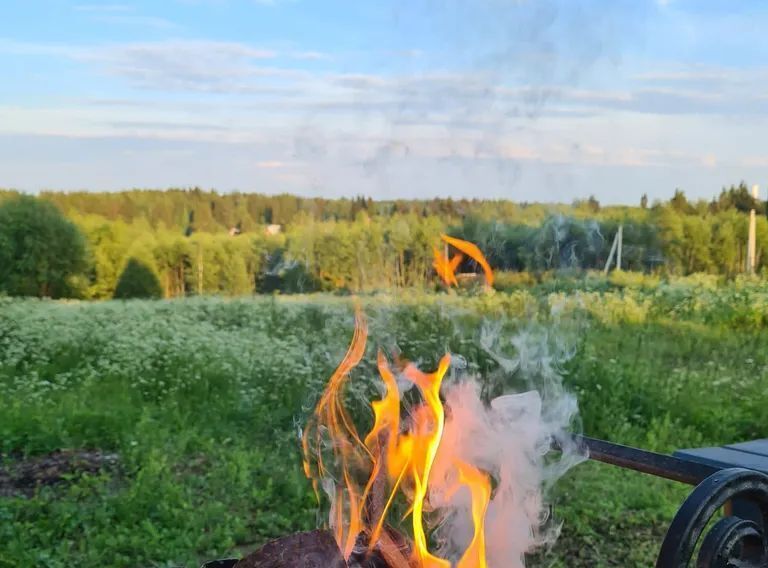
511,439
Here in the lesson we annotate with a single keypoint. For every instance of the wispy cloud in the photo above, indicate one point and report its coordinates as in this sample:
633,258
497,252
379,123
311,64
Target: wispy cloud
187,65
103,8
340,119
311,55
271,2
272,165
705,76
60,50
476,100
140,21
124,15
409,53
161,125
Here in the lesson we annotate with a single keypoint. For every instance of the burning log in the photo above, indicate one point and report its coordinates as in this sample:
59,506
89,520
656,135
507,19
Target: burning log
318,549
302,550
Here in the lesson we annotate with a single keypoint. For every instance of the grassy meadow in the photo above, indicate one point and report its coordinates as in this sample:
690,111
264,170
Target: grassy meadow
201,399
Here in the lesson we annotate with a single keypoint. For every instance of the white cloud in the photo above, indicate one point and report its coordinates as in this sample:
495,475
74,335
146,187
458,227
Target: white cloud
187,65
124,15
11,47
272,165
334,129
141,21
111,8
311,55
755,161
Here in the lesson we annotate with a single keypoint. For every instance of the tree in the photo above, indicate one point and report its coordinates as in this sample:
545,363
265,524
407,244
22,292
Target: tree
108,243
739,198
172,256
679,202
725,245
672,234
644,201
697,236
233,278
41,252
138,281
762,243
590,205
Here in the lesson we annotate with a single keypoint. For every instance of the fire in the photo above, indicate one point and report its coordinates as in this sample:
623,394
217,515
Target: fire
330,413
396,458
446,268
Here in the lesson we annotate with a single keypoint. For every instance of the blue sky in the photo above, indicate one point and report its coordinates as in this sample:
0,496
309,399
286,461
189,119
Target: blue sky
545,100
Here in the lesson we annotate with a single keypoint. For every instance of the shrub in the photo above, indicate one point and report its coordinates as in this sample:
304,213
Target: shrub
41,252
137,281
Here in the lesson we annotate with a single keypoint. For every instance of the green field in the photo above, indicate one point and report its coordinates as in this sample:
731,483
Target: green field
200,401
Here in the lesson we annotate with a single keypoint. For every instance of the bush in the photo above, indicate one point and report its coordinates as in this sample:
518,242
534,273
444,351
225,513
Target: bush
41,252
625,279
137,281
509,280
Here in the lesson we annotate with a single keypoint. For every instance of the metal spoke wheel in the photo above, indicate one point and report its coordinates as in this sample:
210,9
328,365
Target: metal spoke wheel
734,541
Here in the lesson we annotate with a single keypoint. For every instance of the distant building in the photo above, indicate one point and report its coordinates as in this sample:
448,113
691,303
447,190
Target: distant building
274,229
234,231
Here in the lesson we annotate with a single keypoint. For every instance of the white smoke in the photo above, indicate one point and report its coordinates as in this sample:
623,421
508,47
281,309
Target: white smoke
502,424
510,439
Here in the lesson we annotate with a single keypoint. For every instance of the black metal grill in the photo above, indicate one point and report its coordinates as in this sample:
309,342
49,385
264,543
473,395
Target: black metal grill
738,540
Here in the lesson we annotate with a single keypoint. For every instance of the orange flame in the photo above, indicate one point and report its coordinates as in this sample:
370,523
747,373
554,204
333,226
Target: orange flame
447,269
480,488
428,431
396,458
330,413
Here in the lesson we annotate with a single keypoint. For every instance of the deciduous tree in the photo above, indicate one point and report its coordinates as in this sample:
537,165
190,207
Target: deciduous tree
41,252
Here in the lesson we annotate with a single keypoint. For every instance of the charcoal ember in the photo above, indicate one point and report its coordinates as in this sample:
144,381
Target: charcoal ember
318,549
312,549
392,550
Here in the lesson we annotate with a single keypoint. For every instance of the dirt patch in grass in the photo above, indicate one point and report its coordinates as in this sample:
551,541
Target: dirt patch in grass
25,476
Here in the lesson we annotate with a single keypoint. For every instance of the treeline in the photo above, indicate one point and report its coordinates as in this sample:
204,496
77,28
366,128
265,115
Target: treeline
666,239
196,210
188,242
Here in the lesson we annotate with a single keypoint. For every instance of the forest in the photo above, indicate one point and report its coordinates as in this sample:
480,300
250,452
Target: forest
183,242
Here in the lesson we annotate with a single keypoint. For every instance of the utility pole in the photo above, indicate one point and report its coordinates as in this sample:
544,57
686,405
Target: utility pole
618,241
751,243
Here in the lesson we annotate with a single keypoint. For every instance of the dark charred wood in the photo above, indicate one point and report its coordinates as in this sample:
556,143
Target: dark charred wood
392,550
376,499
315,549
318,549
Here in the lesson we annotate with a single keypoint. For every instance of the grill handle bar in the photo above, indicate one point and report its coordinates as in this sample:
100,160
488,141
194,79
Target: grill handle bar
660,465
